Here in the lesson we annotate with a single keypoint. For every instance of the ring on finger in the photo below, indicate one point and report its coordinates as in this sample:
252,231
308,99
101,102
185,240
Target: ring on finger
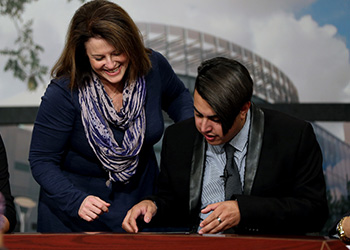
218,218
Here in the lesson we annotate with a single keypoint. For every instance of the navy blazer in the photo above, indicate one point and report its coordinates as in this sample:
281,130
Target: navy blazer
284,191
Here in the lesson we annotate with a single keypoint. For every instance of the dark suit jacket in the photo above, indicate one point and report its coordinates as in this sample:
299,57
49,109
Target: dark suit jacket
5,189
284,190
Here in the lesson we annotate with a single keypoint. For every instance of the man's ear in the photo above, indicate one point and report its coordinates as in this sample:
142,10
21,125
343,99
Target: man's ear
245,108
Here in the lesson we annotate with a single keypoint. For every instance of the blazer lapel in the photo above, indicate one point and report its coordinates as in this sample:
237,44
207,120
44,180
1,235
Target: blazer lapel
196,177
256,132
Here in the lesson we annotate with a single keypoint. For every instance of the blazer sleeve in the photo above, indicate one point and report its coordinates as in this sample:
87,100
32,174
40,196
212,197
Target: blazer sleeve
10,211
176,98
51,133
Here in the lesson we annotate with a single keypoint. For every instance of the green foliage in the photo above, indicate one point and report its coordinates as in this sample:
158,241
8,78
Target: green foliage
13,8
23,57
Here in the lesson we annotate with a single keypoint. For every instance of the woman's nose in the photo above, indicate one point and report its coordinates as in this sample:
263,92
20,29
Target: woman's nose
110,63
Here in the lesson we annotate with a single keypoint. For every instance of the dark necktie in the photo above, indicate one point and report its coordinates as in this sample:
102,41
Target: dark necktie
231,174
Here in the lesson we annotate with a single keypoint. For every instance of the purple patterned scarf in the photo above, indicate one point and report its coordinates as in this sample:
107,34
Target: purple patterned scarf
97,111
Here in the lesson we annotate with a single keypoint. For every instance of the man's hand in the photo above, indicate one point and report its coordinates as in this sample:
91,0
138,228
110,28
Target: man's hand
92,207
224,216
145,208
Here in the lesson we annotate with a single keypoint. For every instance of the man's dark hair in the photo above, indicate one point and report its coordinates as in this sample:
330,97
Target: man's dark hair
226,85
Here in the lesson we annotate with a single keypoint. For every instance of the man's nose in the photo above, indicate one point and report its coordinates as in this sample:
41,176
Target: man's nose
205,125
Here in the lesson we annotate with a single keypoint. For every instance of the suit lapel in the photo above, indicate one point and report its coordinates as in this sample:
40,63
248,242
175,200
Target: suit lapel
197,167
256,132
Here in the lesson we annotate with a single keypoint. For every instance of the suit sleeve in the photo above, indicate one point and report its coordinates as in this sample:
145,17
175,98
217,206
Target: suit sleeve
165,198
10,212
172,197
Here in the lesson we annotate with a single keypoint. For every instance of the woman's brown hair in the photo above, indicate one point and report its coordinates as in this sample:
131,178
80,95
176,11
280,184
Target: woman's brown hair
107,20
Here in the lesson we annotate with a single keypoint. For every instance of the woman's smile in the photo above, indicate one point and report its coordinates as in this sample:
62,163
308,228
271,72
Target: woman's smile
106,61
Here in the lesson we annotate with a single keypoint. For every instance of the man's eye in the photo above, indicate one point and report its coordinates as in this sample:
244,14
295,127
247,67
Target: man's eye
216,120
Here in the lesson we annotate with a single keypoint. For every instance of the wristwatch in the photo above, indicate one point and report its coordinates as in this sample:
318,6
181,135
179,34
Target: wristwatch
341,232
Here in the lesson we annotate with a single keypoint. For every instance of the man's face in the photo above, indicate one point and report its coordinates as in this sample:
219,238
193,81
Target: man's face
209,124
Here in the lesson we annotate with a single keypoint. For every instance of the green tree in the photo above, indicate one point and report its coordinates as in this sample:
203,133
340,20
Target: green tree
24,56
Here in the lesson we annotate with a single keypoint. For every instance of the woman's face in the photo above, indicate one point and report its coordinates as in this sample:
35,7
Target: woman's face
106,61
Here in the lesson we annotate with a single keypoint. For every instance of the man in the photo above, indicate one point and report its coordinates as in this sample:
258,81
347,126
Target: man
281,187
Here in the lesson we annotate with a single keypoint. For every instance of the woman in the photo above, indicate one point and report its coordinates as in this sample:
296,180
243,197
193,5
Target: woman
8,218
92,143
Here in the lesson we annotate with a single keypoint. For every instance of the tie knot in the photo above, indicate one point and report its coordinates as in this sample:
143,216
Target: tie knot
229,149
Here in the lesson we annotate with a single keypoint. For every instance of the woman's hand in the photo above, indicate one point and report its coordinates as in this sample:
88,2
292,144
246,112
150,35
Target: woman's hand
92,207
146,209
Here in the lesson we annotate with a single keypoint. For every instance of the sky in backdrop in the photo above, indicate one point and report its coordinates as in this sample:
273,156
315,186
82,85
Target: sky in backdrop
308,40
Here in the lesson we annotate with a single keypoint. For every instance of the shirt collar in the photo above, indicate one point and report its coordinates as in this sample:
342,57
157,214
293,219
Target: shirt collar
241,139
